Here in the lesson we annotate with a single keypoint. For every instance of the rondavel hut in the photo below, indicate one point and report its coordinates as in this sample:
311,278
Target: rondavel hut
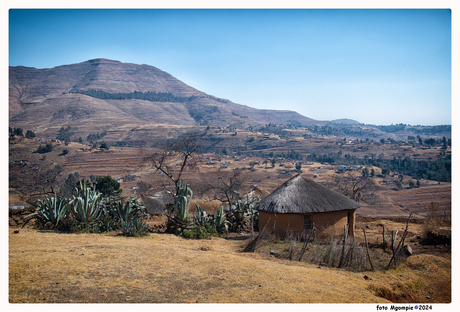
293,208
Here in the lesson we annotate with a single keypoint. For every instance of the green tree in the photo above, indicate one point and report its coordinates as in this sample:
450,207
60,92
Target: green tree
18,132
365,173
104,146
108,186
298,166
444,143
44,148
411,184
385,171
30,134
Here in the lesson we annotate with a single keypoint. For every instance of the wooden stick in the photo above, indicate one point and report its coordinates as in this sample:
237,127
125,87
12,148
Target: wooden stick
306,243
291,251
251,246
345,232
394,241
367,249
400,242
383,237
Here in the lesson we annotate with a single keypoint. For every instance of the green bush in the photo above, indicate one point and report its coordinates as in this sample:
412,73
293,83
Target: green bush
200,232
44,148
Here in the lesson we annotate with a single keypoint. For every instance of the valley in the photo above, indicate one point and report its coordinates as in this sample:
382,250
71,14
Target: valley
265,173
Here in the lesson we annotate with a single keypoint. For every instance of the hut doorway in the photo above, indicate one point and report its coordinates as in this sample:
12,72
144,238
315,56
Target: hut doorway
351,223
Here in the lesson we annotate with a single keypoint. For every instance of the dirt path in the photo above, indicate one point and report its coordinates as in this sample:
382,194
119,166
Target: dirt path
51,267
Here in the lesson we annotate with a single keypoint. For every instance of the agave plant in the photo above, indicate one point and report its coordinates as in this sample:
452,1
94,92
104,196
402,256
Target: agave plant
201,218
243,217
50,210
182,203
133,227
86,205
128,210
221,224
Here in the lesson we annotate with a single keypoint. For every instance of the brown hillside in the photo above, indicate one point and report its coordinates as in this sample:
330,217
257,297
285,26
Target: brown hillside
39,99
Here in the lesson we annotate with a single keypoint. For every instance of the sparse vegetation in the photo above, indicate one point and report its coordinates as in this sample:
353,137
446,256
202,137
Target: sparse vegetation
88,211
42,149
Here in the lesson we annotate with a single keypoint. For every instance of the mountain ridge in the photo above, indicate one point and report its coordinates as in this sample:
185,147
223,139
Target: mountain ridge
47,99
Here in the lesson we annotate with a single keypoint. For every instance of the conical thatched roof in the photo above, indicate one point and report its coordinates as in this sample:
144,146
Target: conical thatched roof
156,203
301,195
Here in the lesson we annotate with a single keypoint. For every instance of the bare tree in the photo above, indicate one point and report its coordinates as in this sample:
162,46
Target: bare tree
227,184
357,187
174,158
35,181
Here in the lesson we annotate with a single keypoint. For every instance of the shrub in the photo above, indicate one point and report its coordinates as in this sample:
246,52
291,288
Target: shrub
108,186
200,232
30,134
44,148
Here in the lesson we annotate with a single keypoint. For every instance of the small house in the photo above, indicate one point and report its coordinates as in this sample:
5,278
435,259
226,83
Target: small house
293,208
158,203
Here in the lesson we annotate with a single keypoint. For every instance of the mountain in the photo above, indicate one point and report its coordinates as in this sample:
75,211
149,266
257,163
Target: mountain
124,100
346,121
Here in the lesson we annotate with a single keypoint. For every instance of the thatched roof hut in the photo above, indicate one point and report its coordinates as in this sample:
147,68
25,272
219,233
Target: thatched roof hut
300,202
302,195
158,203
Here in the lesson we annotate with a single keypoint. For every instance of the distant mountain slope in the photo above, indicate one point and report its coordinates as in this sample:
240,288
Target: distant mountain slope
44,100
346,121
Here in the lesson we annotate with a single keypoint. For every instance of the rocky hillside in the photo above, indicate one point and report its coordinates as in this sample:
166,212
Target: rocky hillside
105,95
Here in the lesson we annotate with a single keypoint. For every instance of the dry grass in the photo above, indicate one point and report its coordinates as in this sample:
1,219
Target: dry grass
50,267
424,277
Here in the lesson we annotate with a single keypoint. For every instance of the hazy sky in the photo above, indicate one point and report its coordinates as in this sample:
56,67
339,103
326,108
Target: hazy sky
375,66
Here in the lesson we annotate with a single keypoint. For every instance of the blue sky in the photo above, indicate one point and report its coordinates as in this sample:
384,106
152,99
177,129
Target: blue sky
375,66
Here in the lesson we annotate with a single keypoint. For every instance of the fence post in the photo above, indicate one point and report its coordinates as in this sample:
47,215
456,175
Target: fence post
367,249
306,243
345,232
401,242
383,238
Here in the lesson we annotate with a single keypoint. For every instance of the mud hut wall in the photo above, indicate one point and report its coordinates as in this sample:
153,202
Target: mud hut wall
291,224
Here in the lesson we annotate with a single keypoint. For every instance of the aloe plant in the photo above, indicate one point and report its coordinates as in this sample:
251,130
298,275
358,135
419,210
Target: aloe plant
86,205
50,210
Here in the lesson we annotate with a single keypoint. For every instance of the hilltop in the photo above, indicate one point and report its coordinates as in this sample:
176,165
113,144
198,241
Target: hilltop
106,95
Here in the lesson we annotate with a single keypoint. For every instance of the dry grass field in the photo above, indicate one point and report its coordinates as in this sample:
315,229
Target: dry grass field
46,267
